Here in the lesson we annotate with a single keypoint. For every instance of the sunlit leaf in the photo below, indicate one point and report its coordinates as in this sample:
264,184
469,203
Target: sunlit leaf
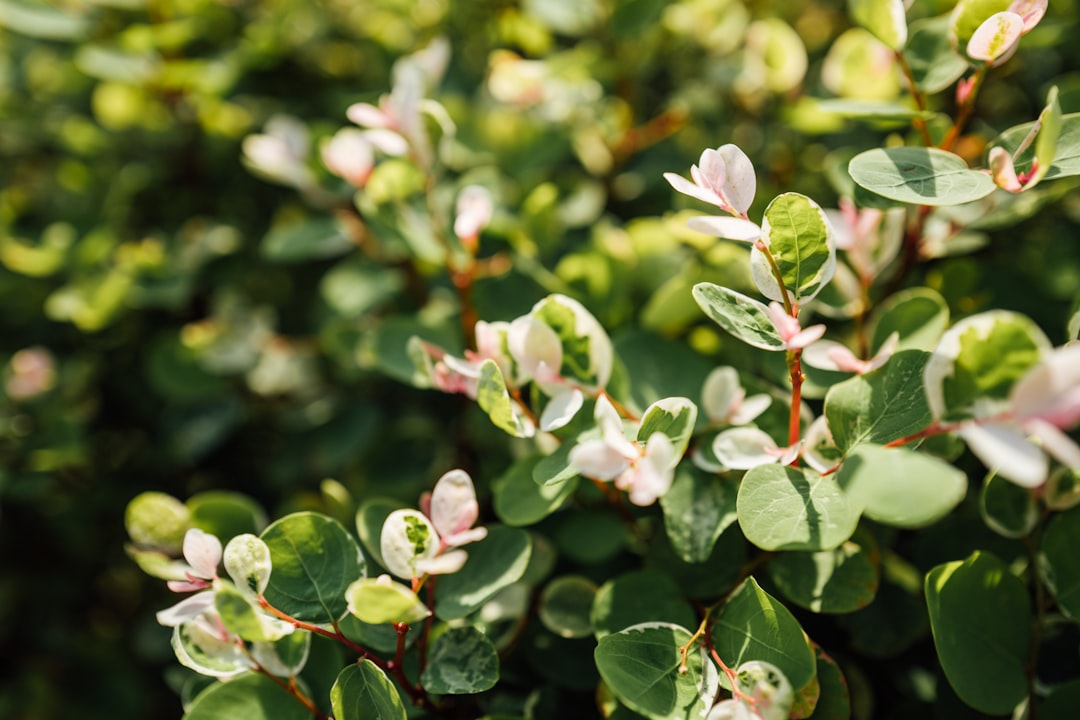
919,176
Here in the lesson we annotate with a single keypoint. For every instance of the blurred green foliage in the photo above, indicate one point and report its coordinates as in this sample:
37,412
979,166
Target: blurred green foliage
173,322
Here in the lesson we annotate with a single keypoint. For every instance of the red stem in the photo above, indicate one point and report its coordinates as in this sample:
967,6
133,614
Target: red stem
333,635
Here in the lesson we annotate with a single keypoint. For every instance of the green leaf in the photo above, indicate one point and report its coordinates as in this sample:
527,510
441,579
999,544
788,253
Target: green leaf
1066,157
973,369
461,662
356,285
205,652
370,517
494,562
753,625
697,510
520,501
968,15
745,318
638,597
881,406
314,559
239,616
920,316
800,242
315,239
226,514
1046,142
871,109
555,469
252,697
786,508
885,19
649,358
981,618
565,604
834,700
157,519
39,20
674,417
841,580
919,176
640,665
376,602
494,399
1060,563
901,487
364,692
1007,508
934,63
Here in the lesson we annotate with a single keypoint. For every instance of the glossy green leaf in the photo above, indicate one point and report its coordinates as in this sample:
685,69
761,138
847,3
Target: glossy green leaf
494,399
376,602
919,176
1047,141
920,316
834,701
973,369
314,239
981,618
753,625
934,63
555,469
745,318
462,661
494,562
1060,562
1066,156
314,559
786,508
674,417
565,604
640,665
520,501
369,522
901,487
1007,508
252,697
226,514
841,580
637,597
697,510
884,18
881,406
801,244
364,692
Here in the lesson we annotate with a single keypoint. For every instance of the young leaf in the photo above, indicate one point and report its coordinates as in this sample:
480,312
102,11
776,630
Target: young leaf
901,487
314,560
981,618
494,399
919,176
968,15
252,697
697,510
1060,561
247,560
239,615
376,602
640,665
674,417
638,597
364,692
407,539
881,406
462,662
745,318
494,562
886,19
834,701
973,369
158,520
841,580
802,244
785,508
201,649
753,625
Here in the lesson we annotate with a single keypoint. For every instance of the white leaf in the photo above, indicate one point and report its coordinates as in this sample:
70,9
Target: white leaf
1008,452
247,560
731,228
561,409
743,448
407,538
453,503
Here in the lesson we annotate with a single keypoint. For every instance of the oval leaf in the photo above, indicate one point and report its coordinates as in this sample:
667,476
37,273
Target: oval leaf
364,692
886,19
461,662
745,318
901,487
494,562
252,697
674,417
802,244
841,580
919,176
697,509
1060,561
638,597
376,602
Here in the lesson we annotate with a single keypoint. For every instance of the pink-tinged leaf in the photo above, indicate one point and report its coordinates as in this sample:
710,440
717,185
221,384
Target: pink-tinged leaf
740,184
711,171
1008,452
187,609
730,228
474,209
688,188
996,38
533,344
445,564
652,475
453,504
1051,390
367,115
750,408
1031,11
203,552
599,460
806,337
1003,171
561,409
786,325
1055,442
465,537
830,355
387,141
744,448
349,155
